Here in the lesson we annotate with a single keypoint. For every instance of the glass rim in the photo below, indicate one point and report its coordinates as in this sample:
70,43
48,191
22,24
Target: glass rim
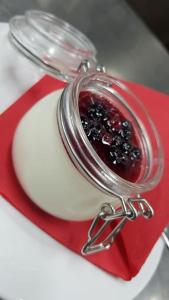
94,169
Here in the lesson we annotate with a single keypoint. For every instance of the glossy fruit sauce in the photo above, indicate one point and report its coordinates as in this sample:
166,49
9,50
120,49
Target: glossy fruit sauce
111,135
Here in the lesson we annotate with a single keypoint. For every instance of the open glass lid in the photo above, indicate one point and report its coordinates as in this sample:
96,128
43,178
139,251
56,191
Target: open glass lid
51,42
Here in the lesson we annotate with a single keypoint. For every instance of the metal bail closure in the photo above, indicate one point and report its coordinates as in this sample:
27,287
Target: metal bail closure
128,210
86,65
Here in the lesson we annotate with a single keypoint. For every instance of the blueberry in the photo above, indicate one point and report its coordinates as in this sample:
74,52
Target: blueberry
85,122
115,155
97,111
95,134
128,135
92,111
113,123
117,140
109,126
105,118
112,126
126,124
126,146
95,124
100,111
135,153
124,159
122,133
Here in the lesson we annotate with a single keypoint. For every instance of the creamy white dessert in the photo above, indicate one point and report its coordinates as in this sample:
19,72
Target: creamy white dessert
45,170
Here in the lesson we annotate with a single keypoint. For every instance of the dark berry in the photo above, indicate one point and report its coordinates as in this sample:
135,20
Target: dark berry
125,159
126,124
95,134
112,124
126,146
85,122
117,140
115,155
92,111
122,133
128,135
97,111
109,126
135,153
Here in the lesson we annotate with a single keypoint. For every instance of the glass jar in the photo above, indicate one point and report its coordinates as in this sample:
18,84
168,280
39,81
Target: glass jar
58,167
53,159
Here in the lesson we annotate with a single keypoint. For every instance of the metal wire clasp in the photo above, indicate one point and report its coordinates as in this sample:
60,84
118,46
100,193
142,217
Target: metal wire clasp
128,210
85,66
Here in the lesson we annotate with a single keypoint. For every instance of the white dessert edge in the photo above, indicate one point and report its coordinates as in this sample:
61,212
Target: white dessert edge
45,170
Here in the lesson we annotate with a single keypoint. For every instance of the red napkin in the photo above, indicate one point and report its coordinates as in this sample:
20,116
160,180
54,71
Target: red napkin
135,242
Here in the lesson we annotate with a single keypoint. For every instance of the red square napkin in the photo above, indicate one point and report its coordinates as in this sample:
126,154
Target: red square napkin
136,240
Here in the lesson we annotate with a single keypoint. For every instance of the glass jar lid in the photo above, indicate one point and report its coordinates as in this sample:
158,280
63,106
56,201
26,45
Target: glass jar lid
51,42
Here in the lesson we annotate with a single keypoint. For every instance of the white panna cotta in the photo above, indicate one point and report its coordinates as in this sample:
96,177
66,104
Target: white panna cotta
45,170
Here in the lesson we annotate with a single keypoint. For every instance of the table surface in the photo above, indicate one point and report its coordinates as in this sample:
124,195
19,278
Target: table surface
128,49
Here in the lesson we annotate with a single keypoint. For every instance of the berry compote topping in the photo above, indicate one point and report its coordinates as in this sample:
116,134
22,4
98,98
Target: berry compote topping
111,135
